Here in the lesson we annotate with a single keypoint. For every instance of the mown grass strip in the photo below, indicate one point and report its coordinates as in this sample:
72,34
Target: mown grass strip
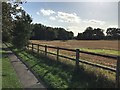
9,76
102,51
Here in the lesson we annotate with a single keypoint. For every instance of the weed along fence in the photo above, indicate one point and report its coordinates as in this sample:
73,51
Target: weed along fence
77,59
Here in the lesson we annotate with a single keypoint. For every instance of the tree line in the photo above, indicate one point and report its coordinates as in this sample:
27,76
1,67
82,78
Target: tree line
98,34
41,32
18,30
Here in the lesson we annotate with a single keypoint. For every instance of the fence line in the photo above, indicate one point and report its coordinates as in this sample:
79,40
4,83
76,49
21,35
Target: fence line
77,59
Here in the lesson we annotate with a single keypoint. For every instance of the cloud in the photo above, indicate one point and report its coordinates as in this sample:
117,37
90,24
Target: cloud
37,13
76,29
80,27
52,18
60,16
93,21
60,20
72,21
47,12
113,26
68,17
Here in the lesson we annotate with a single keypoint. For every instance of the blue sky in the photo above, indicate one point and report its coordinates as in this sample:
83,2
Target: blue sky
74,16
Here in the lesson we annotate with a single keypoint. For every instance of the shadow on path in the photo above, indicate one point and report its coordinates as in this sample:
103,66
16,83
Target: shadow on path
26,77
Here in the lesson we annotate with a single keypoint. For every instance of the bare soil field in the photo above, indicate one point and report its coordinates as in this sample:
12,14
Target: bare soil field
93,44
73,44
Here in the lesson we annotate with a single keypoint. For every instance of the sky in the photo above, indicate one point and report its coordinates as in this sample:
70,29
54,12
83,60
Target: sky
74,16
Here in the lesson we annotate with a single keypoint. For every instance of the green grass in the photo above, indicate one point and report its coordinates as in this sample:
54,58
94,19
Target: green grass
0,71
9,77
58,74
102,51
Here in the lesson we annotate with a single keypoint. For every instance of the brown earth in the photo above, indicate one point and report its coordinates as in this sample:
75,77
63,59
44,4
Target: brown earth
100,44
93,44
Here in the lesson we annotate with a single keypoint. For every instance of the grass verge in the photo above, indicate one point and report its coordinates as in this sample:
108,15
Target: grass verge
58,74
9,77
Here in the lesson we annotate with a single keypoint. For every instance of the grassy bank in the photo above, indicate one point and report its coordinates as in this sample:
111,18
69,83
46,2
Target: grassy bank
61,74
9,77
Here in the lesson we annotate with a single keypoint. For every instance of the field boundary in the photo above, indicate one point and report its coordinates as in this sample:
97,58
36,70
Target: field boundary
77,59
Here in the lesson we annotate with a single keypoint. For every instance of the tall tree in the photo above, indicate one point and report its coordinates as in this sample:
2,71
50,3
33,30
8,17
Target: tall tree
98,34
80,36
22,30
70,35
91,34
7,23
62,34
88,33
113,33
8,12
16,23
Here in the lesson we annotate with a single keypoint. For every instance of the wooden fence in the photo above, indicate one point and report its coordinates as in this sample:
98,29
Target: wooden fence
78,60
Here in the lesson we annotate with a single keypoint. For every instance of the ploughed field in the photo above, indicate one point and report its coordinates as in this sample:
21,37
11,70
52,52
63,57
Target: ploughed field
108,47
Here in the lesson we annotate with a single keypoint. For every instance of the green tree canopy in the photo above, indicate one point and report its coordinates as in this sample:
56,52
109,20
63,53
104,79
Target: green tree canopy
16,24
22,30
113,33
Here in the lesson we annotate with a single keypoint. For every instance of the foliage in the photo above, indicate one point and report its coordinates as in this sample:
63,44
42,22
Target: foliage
97,34
16,24
91,34
41,32
22,30
7,23
113,33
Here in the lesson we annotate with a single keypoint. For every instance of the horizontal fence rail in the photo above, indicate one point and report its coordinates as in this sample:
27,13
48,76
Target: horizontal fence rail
77,59
107,56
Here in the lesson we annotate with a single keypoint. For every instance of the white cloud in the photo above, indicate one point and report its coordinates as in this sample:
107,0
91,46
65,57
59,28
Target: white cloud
93,21
67,17
80,27
72,21
37,13
60,16
74,29
113,26
47,12
52,18
60,20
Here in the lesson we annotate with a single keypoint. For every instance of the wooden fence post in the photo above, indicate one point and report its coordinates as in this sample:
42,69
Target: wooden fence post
32,47
45,50
57,53
38,48
77,58
118,73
